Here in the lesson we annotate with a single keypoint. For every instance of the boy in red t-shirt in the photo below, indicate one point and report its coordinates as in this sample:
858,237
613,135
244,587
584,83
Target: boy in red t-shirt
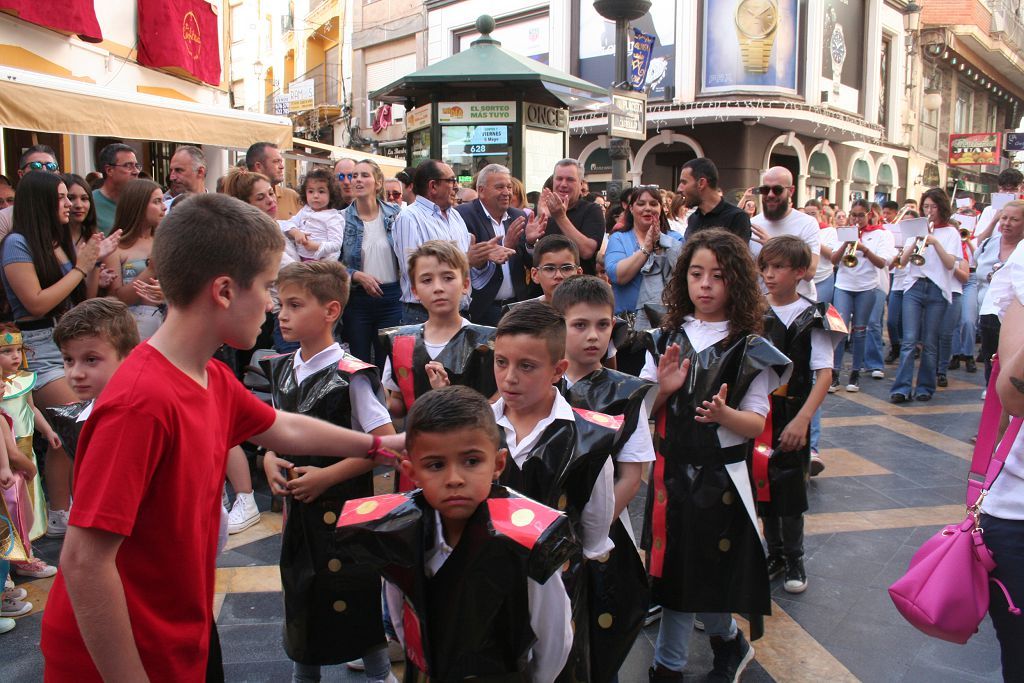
133,598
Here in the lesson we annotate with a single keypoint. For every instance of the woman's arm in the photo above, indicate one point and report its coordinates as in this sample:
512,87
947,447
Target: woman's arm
1010,384
36,300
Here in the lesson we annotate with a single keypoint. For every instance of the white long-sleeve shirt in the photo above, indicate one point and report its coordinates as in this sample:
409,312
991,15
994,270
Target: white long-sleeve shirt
326,227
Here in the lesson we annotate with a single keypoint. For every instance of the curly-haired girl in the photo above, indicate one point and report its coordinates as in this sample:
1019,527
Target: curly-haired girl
317,231
714,373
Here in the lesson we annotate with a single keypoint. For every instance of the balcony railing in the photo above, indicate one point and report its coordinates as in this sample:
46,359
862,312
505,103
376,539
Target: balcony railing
1007,22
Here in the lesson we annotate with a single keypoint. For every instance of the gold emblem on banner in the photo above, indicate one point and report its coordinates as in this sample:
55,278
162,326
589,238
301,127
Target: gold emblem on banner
190,35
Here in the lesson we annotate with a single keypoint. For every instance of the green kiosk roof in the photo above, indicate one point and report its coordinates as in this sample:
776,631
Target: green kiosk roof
486,71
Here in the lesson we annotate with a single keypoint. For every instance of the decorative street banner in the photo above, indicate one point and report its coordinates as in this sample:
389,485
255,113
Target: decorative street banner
76,17
751,46
180,36
640,58
974,149
596,45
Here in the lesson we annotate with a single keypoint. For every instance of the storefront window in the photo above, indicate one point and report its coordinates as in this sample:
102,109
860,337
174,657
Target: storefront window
419,143
467,149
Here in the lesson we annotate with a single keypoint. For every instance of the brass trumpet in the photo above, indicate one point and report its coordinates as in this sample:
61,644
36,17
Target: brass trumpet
965,234
850,259
917,258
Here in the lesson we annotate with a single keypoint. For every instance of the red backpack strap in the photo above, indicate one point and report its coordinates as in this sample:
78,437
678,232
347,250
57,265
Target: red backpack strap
759,460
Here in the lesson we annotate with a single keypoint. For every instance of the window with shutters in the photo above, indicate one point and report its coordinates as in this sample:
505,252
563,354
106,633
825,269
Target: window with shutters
379,74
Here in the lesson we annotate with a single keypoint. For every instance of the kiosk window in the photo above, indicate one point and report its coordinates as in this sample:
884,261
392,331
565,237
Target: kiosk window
467,149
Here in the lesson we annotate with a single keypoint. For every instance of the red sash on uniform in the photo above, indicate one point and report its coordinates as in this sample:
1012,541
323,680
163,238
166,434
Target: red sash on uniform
659,508
401,367
759,464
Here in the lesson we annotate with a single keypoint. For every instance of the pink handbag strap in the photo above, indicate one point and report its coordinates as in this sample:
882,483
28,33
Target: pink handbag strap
988,460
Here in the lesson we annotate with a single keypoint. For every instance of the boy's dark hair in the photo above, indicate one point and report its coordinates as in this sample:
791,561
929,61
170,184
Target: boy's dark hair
813,202
442,411
784,250
445,252
208,236
552,243
582,289
1010,178
325,281
891,205
108,319
538,320
334,197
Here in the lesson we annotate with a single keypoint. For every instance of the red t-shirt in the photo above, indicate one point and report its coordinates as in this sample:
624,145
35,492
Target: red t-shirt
150,467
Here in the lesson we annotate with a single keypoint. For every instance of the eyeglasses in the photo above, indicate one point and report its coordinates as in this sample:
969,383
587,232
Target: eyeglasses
50,166
564,269
771,189
394,194
451,180
346,176
858,215
128,165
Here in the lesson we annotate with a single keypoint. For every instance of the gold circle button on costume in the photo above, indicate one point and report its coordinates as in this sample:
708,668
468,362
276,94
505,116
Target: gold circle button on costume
727,498
334,565
522,517
563,501
724,545
340,606
605,620
330,517
403,372
367,507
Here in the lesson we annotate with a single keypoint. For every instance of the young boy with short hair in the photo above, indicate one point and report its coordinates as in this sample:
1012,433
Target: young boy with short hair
555,258
447,348
807,332
133,599
473,585
588,305
94,338
322,381
559,456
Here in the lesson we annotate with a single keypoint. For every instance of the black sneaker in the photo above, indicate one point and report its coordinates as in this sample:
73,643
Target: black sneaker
897,398
854,384
776,565
834,387
894,354
731,658
659,674
796,577
954,363
970,365
942,381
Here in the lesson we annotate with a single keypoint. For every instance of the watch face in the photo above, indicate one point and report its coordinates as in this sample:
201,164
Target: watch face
756,18
838,47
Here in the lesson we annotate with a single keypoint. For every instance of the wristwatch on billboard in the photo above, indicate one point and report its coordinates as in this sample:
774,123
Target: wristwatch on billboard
757,22
837,48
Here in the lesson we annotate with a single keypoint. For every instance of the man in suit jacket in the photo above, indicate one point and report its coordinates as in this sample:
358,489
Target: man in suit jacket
491,219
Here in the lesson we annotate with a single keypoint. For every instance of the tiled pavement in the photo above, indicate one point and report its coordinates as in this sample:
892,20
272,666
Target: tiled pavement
894,475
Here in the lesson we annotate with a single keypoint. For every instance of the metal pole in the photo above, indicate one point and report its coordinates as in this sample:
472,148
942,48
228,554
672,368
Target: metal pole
618,148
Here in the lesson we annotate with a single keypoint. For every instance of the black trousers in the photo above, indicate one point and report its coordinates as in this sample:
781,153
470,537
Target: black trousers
785,535
1005,538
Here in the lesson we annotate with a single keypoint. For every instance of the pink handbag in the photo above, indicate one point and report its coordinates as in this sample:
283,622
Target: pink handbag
945,591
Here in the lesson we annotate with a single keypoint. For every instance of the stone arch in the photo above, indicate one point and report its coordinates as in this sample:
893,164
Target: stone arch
790,140
665,137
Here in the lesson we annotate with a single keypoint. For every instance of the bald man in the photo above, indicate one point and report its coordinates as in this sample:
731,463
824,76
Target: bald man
778,217
343,170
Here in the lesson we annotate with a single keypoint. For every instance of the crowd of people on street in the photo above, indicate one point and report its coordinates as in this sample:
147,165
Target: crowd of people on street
524,358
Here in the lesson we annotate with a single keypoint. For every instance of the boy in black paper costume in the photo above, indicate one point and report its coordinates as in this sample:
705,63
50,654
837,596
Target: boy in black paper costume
807,333
473,585
618,591
559,455
332,609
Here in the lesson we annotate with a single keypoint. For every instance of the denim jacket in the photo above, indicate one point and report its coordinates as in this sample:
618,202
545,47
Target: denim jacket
352,247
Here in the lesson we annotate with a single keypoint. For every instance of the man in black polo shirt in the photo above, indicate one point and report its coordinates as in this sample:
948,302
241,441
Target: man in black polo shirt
698,182
566,214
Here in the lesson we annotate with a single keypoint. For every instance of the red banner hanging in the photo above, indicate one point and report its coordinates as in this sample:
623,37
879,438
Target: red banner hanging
77,17
180,36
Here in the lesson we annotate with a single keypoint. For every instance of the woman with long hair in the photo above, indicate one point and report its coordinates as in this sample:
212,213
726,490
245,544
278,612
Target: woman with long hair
927,292
44,276
640,256
139,211
368,253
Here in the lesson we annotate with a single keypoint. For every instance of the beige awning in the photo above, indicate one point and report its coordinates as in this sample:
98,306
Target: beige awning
388,165
58,105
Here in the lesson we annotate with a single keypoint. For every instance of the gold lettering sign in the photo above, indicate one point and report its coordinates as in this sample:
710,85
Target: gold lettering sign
190,35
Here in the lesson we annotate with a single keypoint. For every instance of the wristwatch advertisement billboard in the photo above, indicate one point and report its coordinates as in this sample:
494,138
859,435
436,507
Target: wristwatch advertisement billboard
750,46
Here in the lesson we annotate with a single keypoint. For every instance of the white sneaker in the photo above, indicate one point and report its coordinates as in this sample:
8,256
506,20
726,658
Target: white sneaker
34,569
56,523
9,607
877,374
9,583
244,513
15,593
356,665
984,392
7,625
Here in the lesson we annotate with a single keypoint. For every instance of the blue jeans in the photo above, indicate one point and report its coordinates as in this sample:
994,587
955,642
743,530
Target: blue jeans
365,315
855,306
894,323
673,647
949,334
1005,538
825,288
968,319
377,662
923,310
874,358
825,293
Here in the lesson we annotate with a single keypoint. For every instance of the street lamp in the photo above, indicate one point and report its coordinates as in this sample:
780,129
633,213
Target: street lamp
912,18
621,12
257,67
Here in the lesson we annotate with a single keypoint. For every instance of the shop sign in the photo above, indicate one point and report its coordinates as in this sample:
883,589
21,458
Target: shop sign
476,112
628,116
974,149
300,95
417,118
541,116
281,104
1014,142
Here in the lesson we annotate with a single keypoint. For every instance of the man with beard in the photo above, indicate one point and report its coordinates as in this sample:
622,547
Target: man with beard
698,183
120,167
344,169
264,157
779,218
580,221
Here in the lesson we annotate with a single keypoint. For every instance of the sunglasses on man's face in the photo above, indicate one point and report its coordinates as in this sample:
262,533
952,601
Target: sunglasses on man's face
42,165
345,176
394,194
777,190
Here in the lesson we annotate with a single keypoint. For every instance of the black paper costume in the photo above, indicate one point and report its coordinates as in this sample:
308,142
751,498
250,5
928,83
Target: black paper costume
472,618
64,420
332,607
704,550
